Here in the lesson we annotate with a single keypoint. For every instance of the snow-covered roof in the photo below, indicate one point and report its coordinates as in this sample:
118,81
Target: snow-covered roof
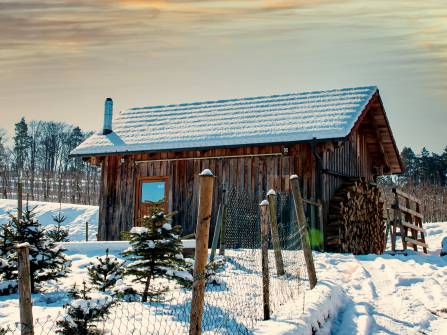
282,118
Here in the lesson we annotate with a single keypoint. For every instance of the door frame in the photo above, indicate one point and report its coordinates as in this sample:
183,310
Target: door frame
138,184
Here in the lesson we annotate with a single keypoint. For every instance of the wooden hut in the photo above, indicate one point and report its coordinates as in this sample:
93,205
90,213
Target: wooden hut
154,154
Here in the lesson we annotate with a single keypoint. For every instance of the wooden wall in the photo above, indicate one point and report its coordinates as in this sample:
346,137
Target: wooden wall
256,174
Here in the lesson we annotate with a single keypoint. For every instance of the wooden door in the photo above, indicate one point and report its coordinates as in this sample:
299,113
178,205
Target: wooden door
151,192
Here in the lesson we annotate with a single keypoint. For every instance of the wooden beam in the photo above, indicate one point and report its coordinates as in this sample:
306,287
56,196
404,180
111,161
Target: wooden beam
337,174
379,142
412,226
409,211
406,195
416,242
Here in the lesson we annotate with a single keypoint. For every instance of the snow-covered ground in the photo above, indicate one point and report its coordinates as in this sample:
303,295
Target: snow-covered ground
383,294
76,216
371,294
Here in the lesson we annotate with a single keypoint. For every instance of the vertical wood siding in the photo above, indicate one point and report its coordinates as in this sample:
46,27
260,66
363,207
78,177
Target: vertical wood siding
255,174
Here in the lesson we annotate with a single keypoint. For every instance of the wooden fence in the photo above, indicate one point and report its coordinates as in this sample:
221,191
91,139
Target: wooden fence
433,200
75,188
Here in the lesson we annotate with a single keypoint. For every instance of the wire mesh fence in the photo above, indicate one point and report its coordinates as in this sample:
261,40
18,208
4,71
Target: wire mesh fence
234,288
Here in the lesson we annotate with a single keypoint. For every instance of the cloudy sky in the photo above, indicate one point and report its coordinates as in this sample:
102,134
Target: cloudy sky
59,59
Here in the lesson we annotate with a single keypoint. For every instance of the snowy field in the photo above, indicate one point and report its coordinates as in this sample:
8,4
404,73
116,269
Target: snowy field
76,216
371,294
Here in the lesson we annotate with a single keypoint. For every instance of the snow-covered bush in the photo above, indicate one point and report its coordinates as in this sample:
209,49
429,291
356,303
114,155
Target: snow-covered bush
212,268
155,251
7,249
124,292
444,246
104,271
83,312
8,286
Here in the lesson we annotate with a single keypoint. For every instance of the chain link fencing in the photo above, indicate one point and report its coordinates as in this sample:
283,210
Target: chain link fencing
234,281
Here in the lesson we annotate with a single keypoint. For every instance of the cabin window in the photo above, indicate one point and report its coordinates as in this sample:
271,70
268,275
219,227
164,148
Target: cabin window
152,192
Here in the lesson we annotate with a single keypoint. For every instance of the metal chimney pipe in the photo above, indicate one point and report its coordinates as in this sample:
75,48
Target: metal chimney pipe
108,113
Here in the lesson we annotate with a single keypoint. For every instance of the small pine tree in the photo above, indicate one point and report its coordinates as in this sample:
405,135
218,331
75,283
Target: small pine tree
6,252
58,233
83,312
155,251
47,260
105,271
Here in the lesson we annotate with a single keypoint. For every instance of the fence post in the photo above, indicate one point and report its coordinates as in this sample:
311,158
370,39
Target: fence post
302,227
216,233
86,231
19,197
24,284
265,258
271,196
206,182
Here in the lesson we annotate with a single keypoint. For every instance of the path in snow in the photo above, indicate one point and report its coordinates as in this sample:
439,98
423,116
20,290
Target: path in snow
391,294
77,216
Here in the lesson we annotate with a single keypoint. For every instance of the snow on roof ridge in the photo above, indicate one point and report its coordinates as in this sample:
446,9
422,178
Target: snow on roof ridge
207,102
248,121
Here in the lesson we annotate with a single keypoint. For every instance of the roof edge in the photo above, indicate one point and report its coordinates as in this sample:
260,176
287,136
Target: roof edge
317,140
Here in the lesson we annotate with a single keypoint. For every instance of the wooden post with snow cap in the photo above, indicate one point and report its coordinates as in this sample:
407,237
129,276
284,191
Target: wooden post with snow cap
271,196
206,183
24,284
265,258
302,228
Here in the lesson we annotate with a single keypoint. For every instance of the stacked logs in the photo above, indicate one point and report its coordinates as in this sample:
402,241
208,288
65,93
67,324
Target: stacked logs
356,223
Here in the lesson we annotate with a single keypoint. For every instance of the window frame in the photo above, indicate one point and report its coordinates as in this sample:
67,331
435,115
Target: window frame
139,185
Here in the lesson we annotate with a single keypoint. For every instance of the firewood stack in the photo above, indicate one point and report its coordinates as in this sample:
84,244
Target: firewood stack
356,222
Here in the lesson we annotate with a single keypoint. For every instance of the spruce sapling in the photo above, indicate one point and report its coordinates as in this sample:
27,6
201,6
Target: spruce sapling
58,233
47,260
83,312
105,271
155,251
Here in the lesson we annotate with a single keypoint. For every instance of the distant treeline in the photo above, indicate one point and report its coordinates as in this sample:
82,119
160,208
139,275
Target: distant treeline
425,177
40,149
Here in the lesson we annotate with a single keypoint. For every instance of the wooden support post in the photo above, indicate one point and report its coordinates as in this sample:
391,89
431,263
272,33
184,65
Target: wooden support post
302,228
321,225
265,258
271,196
86,231
411,219
19,197
206,183
388,227
419,223
222,227
216,233
24,283
398,222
